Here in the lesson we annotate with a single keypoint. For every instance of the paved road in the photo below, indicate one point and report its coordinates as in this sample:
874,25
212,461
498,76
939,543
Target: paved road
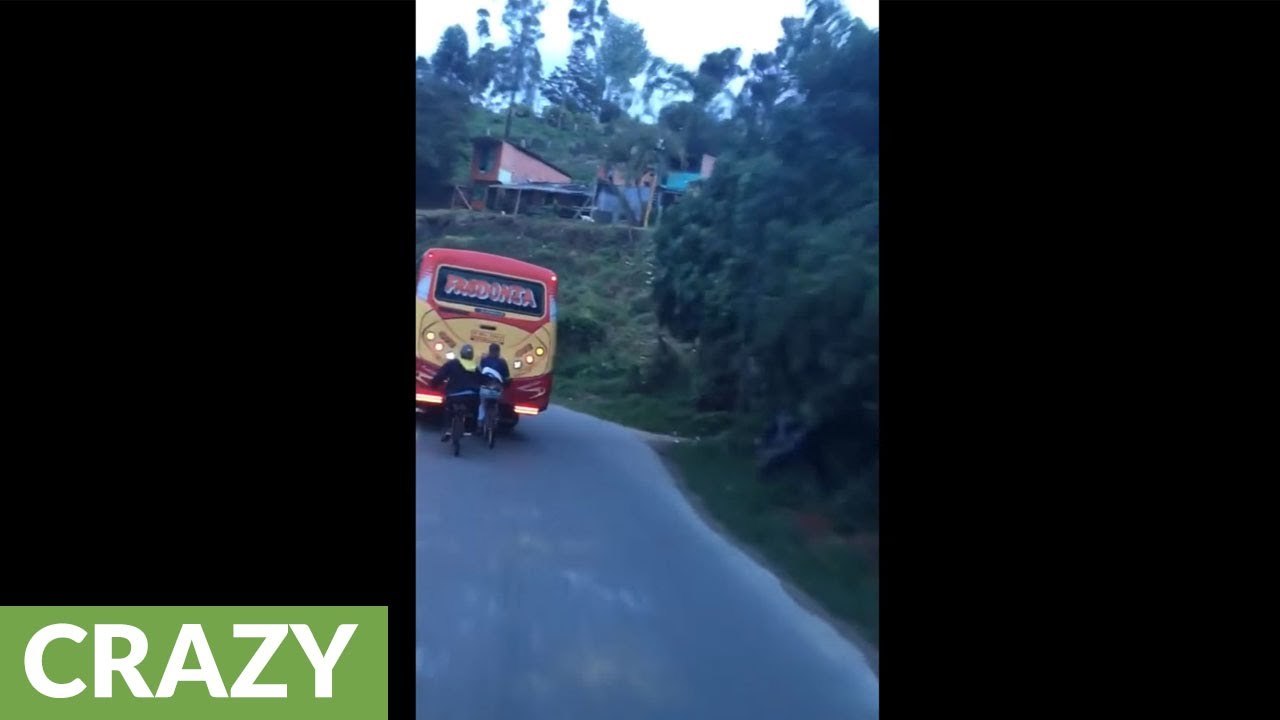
562,575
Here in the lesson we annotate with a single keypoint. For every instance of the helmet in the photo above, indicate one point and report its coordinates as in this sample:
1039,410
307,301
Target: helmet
467,352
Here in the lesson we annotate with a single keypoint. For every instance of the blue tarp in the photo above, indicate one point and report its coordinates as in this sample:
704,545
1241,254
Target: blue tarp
680,181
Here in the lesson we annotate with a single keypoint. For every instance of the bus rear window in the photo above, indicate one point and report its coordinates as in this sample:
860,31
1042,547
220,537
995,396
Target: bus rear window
488,291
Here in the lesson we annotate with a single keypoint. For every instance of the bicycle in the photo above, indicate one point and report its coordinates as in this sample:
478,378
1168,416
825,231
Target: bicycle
459,410
489,396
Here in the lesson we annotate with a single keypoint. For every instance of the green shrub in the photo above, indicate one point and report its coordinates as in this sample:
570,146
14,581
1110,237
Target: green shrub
579,333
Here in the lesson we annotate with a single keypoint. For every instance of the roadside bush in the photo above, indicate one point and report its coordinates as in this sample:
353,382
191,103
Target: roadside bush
579,333
665,370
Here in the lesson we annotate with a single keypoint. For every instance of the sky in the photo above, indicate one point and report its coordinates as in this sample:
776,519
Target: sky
680,31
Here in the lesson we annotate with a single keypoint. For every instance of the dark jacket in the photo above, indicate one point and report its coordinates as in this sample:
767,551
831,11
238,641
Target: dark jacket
498,364
459,378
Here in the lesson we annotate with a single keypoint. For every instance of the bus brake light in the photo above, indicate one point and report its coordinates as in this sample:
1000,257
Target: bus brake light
431,398
526,410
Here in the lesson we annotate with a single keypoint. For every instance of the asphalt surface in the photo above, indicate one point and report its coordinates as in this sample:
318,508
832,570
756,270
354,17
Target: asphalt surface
563,575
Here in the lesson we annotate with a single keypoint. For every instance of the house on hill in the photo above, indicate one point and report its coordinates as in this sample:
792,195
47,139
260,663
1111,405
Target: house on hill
678,184
499,161
646,206
513,179
506,177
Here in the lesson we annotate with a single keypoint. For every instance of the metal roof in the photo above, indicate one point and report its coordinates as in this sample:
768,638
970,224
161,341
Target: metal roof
526,151
557,188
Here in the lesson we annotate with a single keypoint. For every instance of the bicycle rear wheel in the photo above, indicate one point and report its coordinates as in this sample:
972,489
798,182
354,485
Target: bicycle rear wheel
491,423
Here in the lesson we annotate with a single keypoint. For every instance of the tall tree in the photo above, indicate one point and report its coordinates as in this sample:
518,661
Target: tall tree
578,88
706,85
714,74
450,61
773,268
484,69
663,79
586,20
533,79
586,80
765,85
698,120
558,89
442,111
523,68
623,55
700,132
486,62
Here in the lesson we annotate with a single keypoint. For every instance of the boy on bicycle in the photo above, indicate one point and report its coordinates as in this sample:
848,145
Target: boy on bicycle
463,382
494,377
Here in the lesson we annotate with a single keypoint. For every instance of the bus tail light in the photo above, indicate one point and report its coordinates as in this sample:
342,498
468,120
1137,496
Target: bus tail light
431,398
526,410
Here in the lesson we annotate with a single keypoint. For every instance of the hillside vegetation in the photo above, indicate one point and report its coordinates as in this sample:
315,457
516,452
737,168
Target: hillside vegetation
750,317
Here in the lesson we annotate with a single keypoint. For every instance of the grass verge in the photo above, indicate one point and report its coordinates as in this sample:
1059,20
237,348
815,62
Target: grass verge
651,413
838,572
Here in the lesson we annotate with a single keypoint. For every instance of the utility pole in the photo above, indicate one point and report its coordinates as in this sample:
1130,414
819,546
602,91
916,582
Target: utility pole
653,190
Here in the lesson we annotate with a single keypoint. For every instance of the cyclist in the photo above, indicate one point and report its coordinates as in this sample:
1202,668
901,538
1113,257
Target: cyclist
463,382
494,377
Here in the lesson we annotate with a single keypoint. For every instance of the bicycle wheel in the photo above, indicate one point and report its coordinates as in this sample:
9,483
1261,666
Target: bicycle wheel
457,433
491,423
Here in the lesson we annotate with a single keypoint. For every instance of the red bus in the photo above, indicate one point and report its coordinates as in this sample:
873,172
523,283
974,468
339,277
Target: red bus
473,297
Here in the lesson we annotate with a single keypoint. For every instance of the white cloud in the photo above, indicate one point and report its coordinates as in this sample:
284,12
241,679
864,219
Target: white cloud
679,30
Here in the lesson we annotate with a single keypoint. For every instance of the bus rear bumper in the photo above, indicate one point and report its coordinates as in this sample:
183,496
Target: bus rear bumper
429,399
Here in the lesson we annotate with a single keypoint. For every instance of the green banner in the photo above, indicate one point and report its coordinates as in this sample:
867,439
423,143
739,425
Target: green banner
193,662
